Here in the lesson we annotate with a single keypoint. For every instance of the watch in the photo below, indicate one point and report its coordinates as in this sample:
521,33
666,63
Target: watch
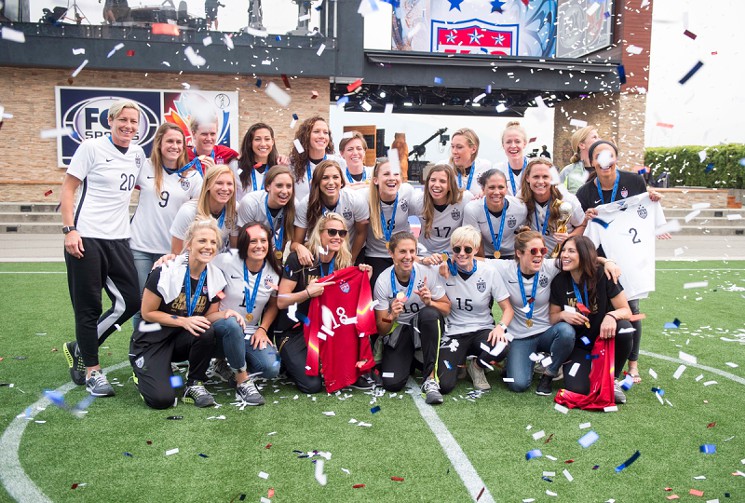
68,229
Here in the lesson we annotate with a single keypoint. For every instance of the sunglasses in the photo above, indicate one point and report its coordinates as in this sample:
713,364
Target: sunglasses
539,251
467,249
333,232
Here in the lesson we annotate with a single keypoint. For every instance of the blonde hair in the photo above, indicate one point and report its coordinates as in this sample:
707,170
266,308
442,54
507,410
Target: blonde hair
343,256
116,108
454,195
466,234
198,120
203,203
578,137
156,157
356,135
471,138
527,194
199,224
374,201
515,126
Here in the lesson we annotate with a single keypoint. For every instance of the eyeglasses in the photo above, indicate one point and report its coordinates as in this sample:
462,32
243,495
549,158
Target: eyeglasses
539,251
333,232
467,249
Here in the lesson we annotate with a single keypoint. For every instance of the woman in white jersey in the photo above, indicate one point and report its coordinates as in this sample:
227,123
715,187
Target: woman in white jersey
391,204
179,305
274,206
315,145
464,151
472,287
514,141
258,154
97,252
166,182
329,192
442,208
353,149
216,200
252,276
574,175
545,202
497,216
411,305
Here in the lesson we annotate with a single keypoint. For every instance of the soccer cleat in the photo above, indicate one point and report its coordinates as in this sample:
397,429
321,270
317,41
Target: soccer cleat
248,393
75,362
198,395
364,382
97,385
618,394
544,385
478,377
431,392
219,370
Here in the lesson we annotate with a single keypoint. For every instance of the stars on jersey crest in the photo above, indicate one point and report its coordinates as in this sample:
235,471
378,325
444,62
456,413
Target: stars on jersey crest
455,4
496,6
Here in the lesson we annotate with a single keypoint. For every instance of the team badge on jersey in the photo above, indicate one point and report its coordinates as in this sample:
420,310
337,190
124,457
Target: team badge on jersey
624,192
641,211
543,281
511,222
185,184
404,205
347,214
455,214
344,286
138,161
204,290
268,282
139,362
481,285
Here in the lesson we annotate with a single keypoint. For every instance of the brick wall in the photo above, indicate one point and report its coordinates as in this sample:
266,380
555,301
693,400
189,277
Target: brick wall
29,168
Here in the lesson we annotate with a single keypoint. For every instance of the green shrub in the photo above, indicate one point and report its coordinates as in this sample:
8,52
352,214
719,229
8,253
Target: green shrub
722,169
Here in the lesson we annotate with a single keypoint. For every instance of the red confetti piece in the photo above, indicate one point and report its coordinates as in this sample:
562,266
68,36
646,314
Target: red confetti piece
690,34
149,442
711,425
665,125
164,29
526,2
286,81
714,53
397,479
268,446
569,461
695,492
313,95
533,139
550,437
481,492
668,489
358,486
48,193
74,486
130,53
354,85
270,494
673,497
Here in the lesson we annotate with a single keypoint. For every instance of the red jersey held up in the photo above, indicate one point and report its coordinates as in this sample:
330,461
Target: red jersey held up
340,323
222,154
601,380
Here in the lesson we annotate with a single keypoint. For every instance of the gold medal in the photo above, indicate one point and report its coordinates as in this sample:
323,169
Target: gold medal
497,254
529,323
401,296
249,317
278,254
587,324
444,257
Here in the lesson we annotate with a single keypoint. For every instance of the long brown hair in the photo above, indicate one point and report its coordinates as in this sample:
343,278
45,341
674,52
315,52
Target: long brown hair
315,200
244,240
289,210
247,160
527,194
454,195
588,261
156,157
299,161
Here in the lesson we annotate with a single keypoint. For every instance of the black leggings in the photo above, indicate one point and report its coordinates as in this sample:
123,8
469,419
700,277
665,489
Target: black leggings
378,264
293,353
468,344
634,356
580,382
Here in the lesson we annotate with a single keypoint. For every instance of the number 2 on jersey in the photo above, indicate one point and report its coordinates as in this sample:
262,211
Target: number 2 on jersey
635,240
128,183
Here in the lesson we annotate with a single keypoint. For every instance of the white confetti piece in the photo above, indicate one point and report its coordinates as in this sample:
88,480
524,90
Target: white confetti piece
734,216
346,471
264,475
592,8
710,383
700,477
539,102
194,58
528,500
171,452
353,421
584,426
678,252
265,500
508,379
634,49
320,476
731,365
550,457
79,68
561,408
387,375
394,161
696,284
207,41
271,433
55,133
329,413
692,215
78,51
366,106
679,372
670,227
612,408
551,493
117,47
574,369
546,361
501,108
653,374
578,123
687,358
699,377
364,424
702,155
13,35
149,327
566,472
701,206
321,49
228,41
255,32
549,474
539,434
298,146
388,108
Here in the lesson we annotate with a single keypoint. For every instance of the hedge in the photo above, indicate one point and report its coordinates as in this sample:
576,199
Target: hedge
723,168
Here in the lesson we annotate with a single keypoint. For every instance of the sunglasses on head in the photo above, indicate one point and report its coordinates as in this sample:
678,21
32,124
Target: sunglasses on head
539,251
333,232
467,249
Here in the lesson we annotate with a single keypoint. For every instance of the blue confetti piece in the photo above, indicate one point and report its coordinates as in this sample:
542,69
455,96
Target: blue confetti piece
303,318
258,82
628,462
659,391
128,454
621,74
488,89
585,340
627,382
342,101
670,325
708,449
588,439
278,38
691,73
438,81
592,357
84,403
710,167
294,116
448,365
547,479
394,3
742,162
203,455
601,222
176,381
535,453
56,398
375,409
606,14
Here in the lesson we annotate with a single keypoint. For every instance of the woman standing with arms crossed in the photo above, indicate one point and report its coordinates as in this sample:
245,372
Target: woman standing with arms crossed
316,145
97,252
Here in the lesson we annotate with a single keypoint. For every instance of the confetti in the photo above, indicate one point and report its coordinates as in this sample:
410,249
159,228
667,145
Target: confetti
633,49
321,477
691,72
329,413
263,475
48,193
278,95
679,372
584,426
354,85
171,452
534,453
358,486
622,75
539,434
695,492
145,327
561,408
298,147
685,356
628,462
177,381
207,41
665,125
55,133
566,472
588,439
255,32
194,58
164,29
696,284
13,35
321,49
592,9
397,479
574,369
375,409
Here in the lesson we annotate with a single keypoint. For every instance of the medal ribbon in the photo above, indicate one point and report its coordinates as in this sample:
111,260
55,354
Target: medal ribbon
388,230
411,283
279,236
191,302
352,180
529,314
251,297
512,176
470,177
545,220
498,243
615,189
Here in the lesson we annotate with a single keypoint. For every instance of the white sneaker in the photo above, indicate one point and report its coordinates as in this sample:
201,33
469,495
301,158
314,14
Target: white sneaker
478,377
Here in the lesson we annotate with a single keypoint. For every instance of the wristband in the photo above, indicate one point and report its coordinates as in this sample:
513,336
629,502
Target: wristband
261,328
609,314
307,293
504,327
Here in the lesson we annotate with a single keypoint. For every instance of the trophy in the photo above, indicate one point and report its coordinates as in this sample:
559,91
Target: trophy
565,213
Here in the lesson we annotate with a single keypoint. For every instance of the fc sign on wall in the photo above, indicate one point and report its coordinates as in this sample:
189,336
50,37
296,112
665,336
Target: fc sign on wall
85,111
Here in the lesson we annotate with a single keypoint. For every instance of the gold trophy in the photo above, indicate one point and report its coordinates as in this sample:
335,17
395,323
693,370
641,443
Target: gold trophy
565,213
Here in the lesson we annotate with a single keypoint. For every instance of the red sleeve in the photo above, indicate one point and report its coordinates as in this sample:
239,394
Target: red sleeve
366,325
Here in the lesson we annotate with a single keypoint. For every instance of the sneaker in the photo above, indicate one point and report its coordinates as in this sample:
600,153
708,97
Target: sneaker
618,394
478,377
219,370
364,382
544,385
98,385
560,375
198,395
248,393
431,392
538,367
75,362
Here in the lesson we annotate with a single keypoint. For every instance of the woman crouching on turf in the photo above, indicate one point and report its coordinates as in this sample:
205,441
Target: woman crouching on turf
299,284
180,302
594,306
411,303
472,287
252,275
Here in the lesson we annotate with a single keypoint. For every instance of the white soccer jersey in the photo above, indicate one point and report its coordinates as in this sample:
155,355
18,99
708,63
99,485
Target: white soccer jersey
367,170
475,216
350,206
302,185
409,203
155,213
187,214
537,218
504,167
508,272
468,182
627,234
108,178
235,292
384,293
253,209
471,299
444,224
240,192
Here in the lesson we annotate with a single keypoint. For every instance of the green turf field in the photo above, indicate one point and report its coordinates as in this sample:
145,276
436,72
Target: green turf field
116,452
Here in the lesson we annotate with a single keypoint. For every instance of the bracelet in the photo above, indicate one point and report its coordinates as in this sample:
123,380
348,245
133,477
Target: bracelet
308,293
501,324
262,328
609,314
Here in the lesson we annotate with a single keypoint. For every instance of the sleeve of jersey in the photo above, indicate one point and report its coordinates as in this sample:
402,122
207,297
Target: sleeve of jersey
469,215
361,208
82,160
301,214
244,210
416,202
181,223
365,322
499,289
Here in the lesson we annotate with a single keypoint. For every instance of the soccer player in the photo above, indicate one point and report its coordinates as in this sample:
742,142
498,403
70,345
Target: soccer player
258,154
574,175
97,252
204,138
464,151
316,145
353,149
514,141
